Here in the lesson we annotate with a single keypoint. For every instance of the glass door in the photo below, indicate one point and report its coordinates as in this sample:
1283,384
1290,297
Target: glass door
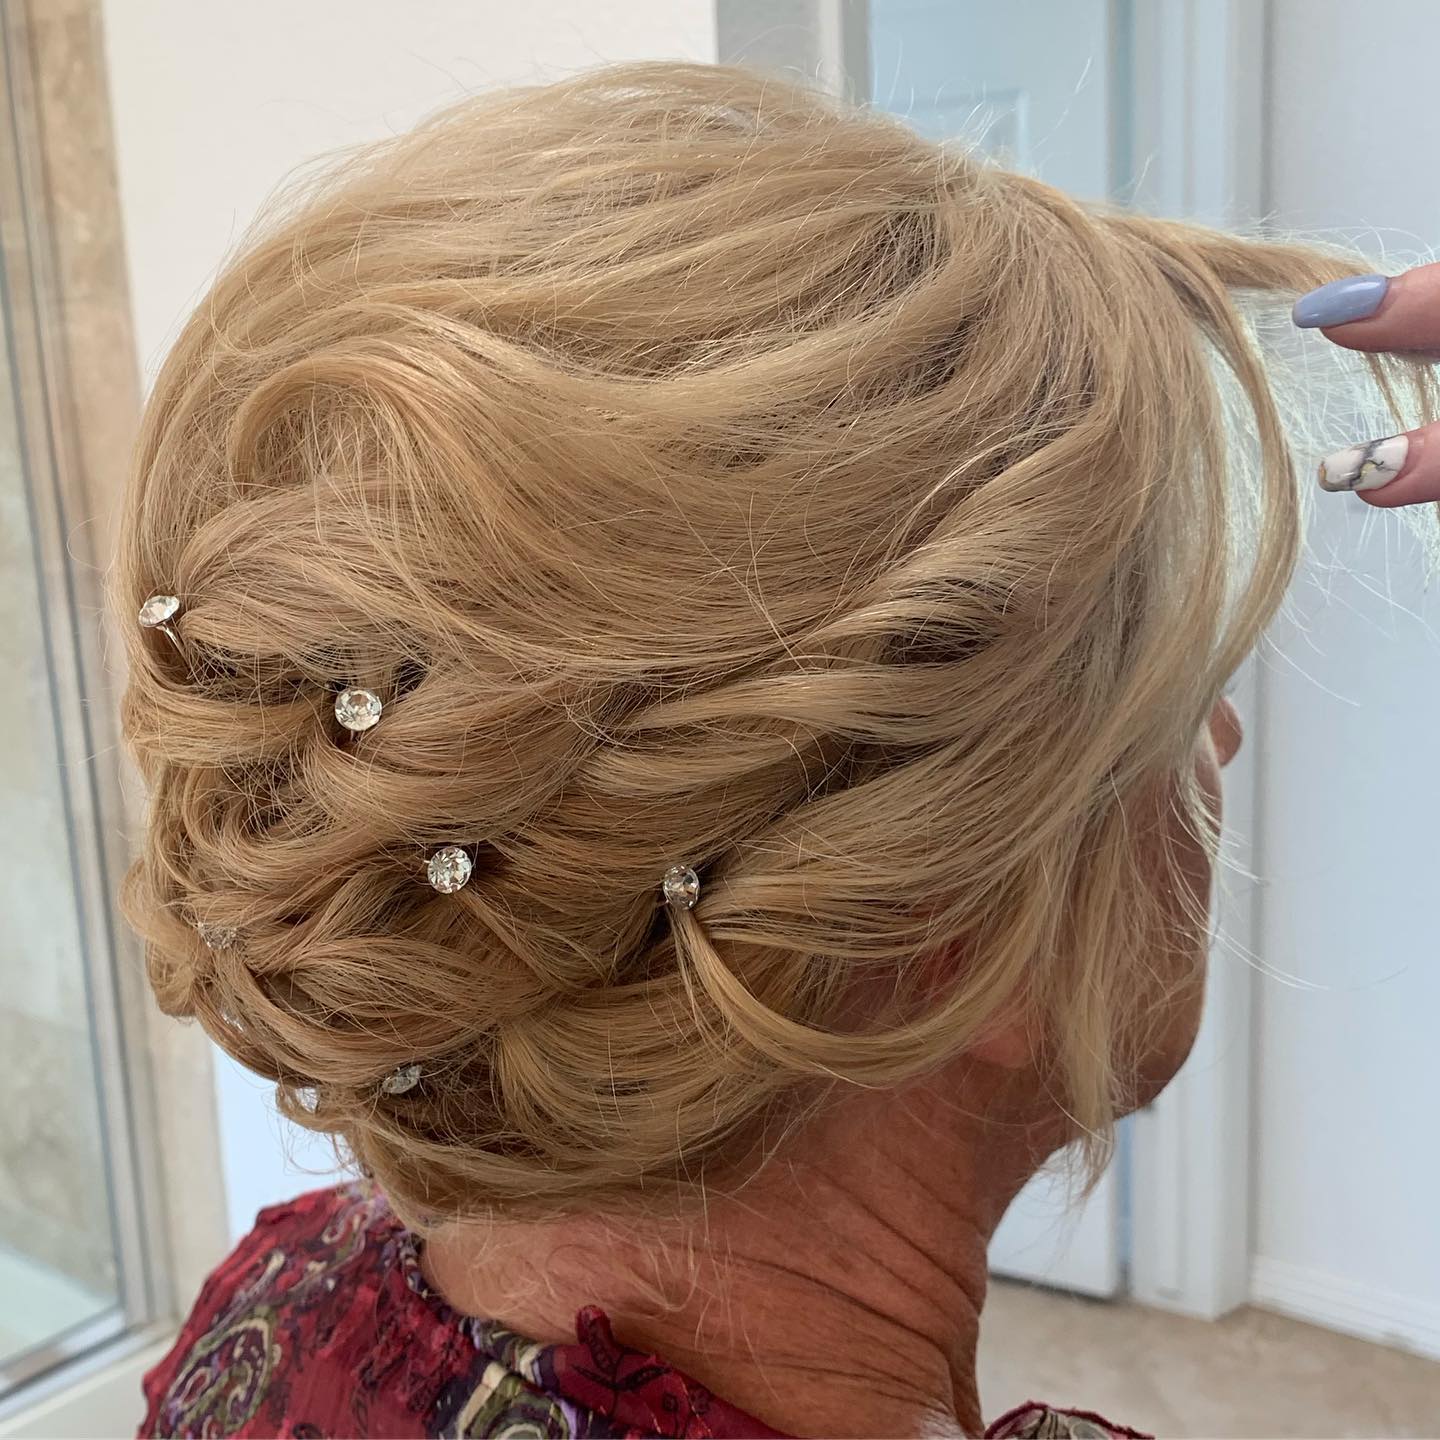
58,1255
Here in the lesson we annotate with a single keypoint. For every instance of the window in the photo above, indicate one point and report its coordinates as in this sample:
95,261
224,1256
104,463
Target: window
78,1251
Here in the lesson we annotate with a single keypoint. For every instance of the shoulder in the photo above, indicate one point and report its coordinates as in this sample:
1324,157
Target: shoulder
320,1230
296,1246
283,1281
1034,1421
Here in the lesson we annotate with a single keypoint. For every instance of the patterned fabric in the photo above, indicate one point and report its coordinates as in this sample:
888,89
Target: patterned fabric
321,1325
1039,1422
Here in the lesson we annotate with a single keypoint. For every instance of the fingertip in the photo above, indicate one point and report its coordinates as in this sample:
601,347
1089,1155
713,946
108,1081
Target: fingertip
1398,495
1341,302
1386,474
1372,313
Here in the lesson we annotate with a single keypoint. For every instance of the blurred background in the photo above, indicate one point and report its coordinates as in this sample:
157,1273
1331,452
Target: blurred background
1264,1256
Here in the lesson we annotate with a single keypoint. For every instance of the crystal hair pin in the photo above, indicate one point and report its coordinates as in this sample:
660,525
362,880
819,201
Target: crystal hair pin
680,886
401,1080
217,937
449,869
157,613
358,709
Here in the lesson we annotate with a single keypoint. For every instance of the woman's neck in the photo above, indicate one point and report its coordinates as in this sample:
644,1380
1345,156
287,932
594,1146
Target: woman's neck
838,1293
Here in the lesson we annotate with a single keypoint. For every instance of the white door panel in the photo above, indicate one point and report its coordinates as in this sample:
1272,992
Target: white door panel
1047,1238
974,71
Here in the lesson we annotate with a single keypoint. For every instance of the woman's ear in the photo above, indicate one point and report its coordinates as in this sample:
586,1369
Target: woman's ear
1005,1041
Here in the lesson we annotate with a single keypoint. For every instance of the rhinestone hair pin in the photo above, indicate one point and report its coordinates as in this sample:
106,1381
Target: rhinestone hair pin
449,869
358,709
401,1080
217,937
680,886
157,613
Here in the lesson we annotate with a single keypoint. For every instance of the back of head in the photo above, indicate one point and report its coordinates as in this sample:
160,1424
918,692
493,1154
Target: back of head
705,473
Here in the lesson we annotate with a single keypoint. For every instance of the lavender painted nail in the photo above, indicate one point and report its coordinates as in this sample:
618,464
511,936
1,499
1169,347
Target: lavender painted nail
1356,297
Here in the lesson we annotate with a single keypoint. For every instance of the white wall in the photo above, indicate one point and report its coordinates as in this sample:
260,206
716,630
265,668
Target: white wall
1347,1165
212,103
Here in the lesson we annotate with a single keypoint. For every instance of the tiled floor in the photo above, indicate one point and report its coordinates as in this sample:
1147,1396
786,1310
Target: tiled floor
1252,1374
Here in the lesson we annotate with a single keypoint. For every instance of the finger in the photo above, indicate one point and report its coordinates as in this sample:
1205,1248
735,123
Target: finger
1396,470
1375,312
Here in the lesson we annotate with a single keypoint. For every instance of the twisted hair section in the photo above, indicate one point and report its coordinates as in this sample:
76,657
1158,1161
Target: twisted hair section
701,472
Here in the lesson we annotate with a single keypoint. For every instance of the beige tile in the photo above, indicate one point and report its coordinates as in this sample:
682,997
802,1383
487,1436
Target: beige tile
1251,1374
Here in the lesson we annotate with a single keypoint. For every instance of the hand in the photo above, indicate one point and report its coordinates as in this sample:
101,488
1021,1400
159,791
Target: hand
1399,314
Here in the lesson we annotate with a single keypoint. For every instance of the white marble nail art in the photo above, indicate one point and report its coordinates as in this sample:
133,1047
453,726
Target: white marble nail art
1364,467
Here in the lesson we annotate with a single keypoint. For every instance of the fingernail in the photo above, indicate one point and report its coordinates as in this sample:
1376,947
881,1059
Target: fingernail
1365,467
1356,297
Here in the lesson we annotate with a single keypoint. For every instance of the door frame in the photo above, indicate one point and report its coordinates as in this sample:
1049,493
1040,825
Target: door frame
1187,141
1197,147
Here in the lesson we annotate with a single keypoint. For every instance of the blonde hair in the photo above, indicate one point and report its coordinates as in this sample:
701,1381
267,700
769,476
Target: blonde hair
701,471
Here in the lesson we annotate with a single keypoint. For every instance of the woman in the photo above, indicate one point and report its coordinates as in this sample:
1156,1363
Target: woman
680,664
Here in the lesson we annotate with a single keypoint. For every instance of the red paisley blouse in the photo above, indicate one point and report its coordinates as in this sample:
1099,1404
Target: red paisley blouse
321,1325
